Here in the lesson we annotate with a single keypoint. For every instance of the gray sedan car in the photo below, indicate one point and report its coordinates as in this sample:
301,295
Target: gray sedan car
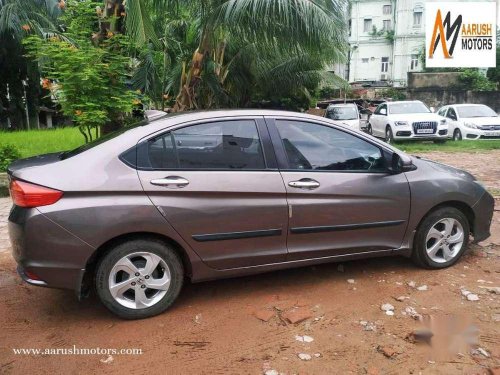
207,195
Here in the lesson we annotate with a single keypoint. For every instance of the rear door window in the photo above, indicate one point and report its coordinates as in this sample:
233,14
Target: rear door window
223,145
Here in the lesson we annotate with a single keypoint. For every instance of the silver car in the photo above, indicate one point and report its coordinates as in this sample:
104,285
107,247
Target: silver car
208,195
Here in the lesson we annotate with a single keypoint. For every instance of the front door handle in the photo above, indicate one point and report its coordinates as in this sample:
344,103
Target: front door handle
305,183
171,182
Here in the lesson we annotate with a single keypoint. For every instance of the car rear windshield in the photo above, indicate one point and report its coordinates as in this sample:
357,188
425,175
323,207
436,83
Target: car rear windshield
476,111
342,113
413,107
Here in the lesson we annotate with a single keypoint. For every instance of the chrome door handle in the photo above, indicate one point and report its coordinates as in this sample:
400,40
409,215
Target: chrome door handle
304,183
171,182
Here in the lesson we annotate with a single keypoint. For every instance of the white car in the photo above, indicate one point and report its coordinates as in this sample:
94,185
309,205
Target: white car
345,114
405,121
471,121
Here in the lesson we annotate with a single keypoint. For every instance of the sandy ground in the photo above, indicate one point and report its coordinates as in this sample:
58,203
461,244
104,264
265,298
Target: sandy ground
213,329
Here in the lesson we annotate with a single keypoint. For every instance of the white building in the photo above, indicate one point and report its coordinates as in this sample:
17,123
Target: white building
386,38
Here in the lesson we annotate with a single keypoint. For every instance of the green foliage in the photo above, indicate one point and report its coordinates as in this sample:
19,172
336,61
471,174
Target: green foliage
87,80
36,142
493,74
8,154
392,93
450,146
473,79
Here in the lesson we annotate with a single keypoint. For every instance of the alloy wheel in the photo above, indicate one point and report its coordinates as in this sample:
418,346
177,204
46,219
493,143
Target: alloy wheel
388,135
445,240
139,280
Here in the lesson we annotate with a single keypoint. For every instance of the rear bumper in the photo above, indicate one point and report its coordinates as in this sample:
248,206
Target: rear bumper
483,213
46,254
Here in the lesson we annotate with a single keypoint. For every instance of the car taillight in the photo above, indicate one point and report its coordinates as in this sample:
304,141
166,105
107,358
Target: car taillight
29,195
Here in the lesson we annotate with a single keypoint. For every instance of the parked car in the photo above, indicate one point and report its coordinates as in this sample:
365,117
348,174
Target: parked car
471,121
407,120
207,195
345,114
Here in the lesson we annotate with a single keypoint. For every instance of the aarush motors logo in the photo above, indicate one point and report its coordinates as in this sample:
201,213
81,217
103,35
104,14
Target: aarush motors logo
460,34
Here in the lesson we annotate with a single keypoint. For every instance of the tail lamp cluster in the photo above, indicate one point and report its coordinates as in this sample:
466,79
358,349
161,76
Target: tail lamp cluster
25,194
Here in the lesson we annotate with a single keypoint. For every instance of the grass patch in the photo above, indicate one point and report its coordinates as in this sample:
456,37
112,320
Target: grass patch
36,142
450,146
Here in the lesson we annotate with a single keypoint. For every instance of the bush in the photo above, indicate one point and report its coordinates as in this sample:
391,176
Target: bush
8,154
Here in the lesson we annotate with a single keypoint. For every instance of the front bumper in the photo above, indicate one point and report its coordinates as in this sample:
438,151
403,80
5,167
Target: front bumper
483,215
46,254
473,134
406,132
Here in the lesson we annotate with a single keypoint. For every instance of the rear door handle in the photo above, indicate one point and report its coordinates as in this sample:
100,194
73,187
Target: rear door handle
304,183
171,182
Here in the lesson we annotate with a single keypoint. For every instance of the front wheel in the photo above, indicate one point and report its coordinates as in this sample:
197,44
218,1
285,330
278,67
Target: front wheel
457,135
389,138
139,278
441,238
369,129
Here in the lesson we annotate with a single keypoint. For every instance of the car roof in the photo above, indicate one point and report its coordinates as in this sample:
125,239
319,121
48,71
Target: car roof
403,101
343,105
468,105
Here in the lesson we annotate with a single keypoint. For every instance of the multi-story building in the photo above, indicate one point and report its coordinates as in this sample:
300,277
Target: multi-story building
386,39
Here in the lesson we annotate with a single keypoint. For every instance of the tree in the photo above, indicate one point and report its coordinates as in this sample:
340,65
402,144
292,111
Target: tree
19,76
267,44
87,78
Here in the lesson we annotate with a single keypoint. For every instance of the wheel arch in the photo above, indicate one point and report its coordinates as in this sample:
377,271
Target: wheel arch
102,250
459,205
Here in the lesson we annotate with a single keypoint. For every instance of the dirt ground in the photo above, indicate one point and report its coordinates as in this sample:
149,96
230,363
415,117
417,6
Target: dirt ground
213,328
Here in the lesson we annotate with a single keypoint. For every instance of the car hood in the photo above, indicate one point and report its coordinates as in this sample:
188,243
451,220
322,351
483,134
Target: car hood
441,167
483,120
416,117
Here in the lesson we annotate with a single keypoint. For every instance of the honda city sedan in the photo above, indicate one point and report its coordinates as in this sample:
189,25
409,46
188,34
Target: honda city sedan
207,195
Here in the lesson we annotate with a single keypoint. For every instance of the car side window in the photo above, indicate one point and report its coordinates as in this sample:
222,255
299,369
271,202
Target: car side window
442,111
381,110
311,146
452,114
215,145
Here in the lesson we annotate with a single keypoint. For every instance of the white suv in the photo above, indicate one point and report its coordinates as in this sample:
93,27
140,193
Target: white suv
471,121
407,120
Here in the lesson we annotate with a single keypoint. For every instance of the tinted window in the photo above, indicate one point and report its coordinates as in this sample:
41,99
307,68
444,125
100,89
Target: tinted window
217,145
476,111
451,114
380,108
318,147
409,107
342,113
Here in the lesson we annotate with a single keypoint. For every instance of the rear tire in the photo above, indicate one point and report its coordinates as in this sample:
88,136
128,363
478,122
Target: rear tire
438,243
139,278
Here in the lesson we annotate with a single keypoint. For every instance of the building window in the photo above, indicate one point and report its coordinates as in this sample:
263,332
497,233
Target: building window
365,60
414,62
367,25
387,25
385,64
387,9
417,18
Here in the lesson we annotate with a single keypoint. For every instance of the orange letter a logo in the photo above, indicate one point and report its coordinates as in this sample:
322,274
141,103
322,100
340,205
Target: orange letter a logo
438,26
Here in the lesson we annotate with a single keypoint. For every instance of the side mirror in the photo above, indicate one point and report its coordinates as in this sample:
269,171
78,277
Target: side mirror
400,164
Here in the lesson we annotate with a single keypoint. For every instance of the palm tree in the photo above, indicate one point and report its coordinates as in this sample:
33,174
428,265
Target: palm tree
19,77
240,46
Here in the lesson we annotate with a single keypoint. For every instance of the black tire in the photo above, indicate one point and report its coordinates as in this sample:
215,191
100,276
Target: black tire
154,246
419,254
389,137
369,129
457,135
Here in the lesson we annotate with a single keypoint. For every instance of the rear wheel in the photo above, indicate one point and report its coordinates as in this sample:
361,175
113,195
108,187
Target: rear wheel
441,238
457,135
389,138
139,278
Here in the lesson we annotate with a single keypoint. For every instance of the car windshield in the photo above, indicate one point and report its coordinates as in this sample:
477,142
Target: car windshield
476,111
411,107
342,113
